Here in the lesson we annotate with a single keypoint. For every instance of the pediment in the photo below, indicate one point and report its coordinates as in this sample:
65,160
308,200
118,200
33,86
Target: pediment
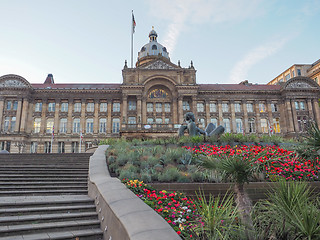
159,64
301,83
13,81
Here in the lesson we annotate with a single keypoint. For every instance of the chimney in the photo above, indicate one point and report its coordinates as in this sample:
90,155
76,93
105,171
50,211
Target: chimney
49,79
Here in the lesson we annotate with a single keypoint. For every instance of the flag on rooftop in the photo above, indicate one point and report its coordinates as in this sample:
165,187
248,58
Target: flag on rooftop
133,23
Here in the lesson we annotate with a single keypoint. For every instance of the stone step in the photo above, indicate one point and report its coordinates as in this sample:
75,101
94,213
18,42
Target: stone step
42,167
18,211
87,234
50,226
42,183
41,218
43,192
43,175
50,179
75,186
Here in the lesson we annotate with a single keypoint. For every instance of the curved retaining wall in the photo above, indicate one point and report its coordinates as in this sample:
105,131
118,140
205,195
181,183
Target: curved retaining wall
123,215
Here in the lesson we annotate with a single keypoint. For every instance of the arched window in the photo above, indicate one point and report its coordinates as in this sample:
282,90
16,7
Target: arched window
154,47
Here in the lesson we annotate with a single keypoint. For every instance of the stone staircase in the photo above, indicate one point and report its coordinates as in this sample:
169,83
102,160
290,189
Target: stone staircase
44,196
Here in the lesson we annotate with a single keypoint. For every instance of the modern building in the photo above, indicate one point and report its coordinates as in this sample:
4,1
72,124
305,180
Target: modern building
150,102
307,70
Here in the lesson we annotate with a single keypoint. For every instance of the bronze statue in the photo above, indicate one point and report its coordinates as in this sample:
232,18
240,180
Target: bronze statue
193,130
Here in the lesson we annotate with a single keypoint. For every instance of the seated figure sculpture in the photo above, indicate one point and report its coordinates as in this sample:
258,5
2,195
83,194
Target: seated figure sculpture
193,130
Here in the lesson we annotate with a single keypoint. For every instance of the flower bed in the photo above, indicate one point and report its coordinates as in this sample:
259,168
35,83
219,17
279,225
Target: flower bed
175,208
275,161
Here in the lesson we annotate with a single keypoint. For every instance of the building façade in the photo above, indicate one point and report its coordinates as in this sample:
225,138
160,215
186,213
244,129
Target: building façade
150,102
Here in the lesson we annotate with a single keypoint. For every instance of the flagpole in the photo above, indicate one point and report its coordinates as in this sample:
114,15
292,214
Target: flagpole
132,40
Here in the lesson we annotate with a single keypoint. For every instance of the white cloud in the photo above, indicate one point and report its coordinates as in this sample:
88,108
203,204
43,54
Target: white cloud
182,13
241,69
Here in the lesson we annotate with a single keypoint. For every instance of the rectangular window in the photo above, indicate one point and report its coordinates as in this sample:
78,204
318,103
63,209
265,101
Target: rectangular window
226,125
34,147
90,107
89,125
51,107
249,107
302,106
116,107
293,74
47,147
276,125
287,77
76,125
116,125
274,107
158,107
158,120
296,104
262,107
9,105
200,107
299,72
201,122
264,125
36,125
75,147
149,107
237,107
102,125
239,125
49,128
13,124
6,124
132,105
150,120
167,120
167,107
132,120
64,107
252,125
185,106
225,107
77,107
38,107
103,107
63,125
215,122
281,80
61,147
302,123
15,105
213,107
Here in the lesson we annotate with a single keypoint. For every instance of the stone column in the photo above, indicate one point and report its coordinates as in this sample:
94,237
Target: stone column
316,111
109,118
96,117
139,112
289,114
56,117
29,118
180,110
144,110
43,117
270,117
24,115
309,102
283,117
233,118
1,111
194,108
258,118
294,117
245,124
18,116
70,111
174,111
220,117
207,107
124,109
83,117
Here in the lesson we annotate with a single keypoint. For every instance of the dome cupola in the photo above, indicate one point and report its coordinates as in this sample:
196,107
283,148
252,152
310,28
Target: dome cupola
153,48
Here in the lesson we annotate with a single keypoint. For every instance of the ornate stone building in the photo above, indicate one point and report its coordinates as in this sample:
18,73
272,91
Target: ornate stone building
150,102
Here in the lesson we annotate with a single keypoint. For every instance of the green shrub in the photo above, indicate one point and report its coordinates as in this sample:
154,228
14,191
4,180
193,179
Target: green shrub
171,174
122,159
183,178
146,177
197,177
111,159
128,174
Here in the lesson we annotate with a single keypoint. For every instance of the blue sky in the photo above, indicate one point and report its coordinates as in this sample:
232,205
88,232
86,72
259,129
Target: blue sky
87,41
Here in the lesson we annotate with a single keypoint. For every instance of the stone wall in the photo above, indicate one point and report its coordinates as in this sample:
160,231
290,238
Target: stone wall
123,215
